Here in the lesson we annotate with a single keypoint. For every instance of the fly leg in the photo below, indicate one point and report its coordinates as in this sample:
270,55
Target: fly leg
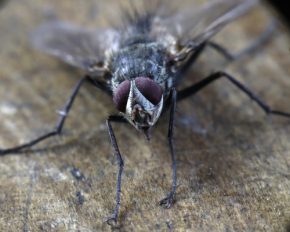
203,83
260,40
59,124
168,199
120,163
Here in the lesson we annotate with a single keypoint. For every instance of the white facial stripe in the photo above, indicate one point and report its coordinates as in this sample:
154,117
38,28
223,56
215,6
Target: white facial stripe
152,110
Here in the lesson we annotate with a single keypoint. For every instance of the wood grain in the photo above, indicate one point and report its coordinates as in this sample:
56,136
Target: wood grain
233,160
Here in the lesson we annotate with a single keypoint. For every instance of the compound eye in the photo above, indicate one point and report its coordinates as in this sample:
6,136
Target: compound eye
150,89
121,96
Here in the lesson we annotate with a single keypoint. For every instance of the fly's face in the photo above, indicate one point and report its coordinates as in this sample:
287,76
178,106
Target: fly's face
140,101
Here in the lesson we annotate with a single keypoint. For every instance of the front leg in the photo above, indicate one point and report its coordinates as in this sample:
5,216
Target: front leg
120,163
168,199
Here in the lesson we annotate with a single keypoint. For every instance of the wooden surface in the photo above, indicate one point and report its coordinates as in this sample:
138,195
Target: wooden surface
233,160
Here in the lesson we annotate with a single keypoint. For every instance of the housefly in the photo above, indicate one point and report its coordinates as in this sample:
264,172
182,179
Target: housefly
140,64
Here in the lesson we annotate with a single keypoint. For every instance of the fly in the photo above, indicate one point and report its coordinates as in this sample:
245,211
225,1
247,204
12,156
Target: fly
141,63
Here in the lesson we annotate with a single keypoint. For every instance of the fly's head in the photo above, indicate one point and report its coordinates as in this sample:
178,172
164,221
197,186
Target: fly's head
140,101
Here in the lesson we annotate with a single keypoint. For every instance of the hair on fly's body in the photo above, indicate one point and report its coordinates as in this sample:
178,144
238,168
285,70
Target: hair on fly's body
140,64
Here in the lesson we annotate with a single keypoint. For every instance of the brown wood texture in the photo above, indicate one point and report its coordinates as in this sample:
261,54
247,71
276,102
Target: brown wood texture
233,160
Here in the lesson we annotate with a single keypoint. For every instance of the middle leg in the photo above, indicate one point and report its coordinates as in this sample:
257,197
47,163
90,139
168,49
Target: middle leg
203,83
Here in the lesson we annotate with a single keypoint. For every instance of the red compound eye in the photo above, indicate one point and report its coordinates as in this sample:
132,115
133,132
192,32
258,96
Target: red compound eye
121,95
150,89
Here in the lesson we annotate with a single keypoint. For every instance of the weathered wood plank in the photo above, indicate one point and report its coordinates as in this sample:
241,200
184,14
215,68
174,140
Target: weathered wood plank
233,161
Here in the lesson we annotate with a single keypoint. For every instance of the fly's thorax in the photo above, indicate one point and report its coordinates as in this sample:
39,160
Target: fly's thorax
140,101
141,60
